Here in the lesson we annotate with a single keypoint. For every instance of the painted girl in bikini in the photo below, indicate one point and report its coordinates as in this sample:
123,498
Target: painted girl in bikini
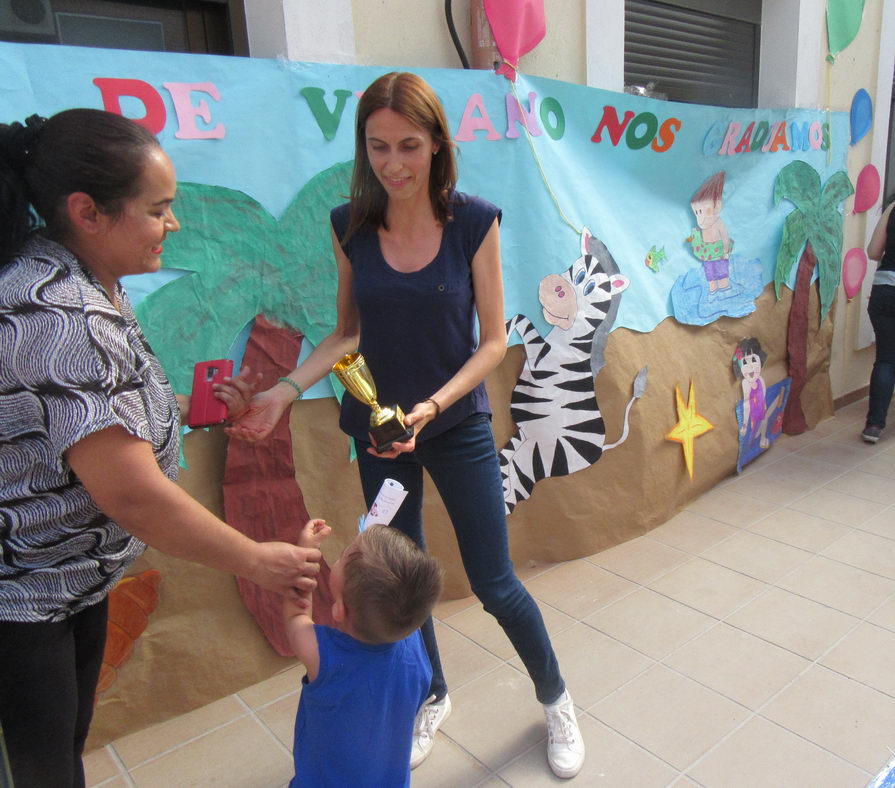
709,240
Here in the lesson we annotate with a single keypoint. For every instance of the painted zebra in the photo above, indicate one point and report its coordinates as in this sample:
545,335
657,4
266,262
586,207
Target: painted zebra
560,429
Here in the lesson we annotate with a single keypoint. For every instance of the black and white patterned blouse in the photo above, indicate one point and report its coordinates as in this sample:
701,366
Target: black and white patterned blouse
70,365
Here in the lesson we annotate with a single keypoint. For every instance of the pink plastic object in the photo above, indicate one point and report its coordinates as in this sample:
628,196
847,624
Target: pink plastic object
854,269
867,189
518,27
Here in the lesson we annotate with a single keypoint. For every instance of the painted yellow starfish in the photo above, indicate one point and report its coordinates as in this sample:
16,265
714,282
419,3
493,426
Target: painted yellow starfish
690,425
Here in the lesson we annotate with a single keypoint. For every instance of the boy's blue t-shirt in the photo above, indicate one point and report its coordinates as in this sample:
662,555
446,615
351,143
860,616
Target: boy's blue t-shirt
354,725
417,329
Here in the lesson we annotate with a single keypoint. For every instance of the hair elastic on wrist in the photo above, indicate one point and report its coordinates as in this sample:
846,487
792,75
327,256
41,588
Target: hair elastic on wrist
298,389
437,406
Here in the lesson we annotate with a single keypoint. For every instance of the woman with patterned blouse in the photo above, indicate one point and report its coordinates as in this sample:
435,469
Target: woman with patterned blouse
89,426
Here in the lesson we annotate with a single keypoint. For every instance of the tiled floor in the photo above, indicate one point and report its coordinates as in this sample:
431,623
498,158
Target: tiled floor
748,641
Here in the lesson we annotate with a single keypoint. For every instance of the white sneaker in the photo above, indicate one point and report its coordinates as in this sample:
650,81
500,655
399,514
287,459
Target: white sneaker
565,747
428,720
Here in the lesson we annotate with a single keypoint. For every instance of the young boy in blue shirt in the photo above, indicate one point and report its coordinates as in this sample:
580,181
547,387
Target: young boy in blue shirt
367,677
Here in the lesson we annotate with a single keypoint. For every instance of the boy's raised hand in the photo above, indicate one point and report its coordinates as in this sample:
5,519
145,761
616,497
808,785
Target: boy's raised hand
313,533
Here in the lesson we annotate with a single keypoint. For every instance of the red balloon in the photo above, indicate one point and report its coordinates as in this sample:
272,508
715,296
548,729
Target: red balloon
854,269
867,189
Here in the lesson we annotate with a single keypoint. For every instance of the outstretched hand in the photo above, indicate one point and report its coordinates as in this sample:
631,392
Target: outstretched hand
237,392
258,419
285,569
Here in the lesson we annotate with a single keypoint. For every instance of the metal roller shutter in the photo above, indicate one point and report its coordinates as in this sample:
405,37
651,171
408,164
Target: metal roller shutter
694,51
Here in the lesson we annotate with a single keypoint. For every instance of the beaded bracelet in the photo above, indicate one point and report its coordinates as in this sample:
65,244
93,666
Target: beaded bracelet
294,385
437,406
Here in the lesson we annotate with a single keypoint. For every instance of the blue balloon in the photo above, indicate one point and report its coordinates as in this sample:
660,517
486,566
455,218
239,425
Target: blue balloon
861,115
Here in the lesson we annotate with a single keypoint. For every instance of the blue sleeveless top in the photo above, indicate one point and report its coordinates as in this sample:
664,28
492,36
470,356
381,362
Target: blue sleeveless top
417,329
354,725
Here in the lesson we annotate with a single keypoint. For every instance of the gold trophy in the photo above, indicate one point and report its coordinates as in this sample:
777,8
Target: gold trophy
386,422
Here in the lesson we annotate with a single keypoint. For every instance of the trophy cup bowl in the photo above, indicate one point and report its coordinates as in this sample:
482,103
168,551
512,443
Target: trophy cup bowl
386,422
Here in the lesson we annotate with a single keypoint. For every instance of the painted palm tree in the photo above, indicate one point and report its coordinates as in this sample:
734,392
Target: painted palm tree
812,234
242,262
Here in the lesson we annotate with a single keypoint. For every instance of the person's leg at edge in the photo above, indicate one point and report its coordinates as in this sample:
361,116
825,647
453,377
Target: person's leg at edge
463,464
40,698
881,310
90,631
406,470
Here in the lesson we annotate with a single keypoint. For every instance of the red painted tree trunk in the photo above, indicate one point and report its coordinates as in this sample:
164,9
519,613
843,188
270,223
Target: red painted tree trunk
262,498
797,344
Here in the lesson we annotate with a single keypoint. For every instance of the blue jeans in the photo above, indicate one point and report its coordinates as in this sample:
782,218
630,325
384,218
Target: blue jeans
882,380
462,462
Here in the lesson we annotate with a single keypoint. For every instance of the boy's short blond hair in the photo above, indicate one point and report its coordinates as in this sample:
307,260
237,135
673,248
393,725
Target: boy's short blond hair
391,585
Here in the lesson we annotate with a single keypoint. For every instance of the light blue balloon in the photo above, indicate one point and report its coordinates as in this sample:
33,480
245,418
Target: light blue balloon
861,115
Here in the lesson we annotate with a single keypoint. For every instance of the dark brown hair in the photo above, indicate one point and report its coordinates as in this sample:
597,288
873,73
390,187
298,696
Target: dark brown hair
748,346
391,585
413,97
711,190
79,150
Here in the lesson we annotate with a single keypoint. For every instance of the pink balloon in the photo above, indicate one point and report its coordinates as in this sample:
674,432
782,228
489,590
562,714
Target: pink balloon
867,189
854,269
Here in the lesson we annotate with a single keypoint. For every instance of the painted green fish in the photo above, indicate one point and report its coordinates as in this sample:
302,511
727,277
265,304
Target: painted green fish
653,257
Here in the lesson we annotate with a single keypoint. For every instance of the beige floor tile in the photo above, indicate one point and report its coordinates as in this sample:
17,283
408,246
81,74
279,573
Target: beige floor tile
882,524
853,721
592,664
480,722
741,667
795,623
691,532
801,470
684,782
639,560
492,782
449,766
866,655
650,711
115,782
150,742
611,760
578,588
839,585
482,628
532,569
763,754
756,556
799,529
279,717
834,452
239,754
709,588
99,766
837,506
449,607
865,485
768,486
461,659
795,443
884,616
866,551
880,465
731,508
274,688
650,623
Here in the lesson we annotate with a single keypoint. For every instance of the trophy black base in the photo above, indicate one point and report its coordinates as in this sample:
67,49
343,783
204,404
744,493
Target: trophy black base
389,432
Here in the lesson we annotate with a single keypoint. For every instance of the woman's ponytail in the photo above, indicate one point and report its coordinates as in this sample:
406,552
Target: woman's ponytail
17,143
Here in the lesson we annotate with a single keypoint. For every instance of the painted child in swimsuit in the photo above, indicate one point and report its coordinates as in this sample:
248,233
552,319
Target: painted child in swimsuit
709,240
748,360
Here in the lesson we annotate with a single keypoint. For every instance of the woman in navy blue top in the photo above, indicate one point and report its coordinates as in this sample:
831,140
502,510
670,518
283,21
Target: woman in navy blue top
418,262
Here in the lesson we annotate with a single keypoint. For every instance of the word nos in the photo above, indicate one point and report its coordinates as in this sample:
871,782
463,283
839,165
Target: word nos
639,130
156,117
730,138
